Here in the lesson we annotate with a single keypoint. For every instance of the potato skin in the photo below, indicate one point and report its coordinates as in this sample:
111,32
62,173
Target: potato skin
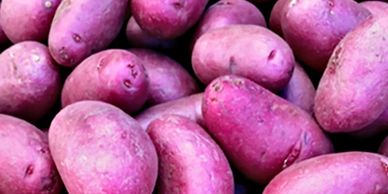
3,37
27,20
168,80
349,172
190,161
246,119
313,28
275,19
83,27
29,80
26,164
97,148
167,19
189,107
384,147
377,8
353,83
114,76
268,59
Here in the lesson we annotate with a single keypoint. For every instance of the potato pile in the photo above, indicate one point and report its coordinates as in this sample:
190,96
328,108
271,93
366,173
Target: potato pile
193,97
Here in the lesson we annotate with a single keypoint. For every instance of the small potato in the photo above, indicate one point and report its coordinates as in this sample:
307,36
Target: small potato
349,172
313,28
27,20
277,13
245,50
167,19
352,92
384,147
114,76
377,8
98,148
168,80
260,132
26,164
189,107
29,81
190,161
83,27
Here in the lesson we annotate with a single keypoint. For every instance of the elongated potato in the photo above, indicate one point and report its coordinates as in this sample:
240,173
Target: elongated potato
29,81
267,59
352,92
313,28
190,161
349,172
377,8
83,27
26,163
114,76
384,147
97,148
27,20
260,132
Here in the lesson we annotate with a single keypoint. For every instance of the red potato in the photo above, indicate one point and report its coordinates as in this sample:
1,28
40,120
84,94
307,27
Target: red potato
29,81
246,120
314,27
3,37
189,107
168,80
114,76
349,172
167,19
97,148
277,12
377,8
266,58
83,27
27,20
384,147
26,165
190,161
352,92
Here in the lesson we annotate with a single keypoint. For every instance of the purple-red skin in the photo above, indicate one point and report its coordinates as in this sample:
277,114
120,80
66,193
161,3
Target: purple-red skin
190,161
267,59
377,8
3,38
30,81
275,19
384,147
83,27
27,20
352,92
300,90
313,28
167,19
98,148
167,79
260,132
228,12
26,163
114,76
189,107
349,172
379,126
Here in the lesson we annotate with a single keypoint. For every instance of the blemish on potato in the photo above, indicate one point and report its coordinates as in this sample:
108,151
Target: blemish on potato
35,58
271,55
216,86
48,4
29,170
127,83
76,37
293,155
179,4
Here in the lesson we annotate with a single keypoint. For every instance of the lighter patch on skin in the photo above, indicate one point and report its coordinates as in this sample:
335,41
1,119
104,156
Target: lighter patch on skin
293,3
35,57
48,4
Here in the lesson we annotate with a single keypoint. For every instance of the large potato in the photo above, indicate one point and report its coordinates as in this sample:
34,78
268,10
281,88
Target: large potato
351,172
190,161
260,132
26,165
97,148
83,27
246,50
353,90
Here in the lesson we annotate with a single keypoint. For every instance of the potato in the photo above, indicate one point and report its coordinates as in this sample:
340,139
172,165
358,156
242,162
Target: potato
97,148
267,59
190,161
277,13
384,147
168,80
379,126
377,8
349,172
29,81
300,90
246,120
189,107
83,27
114,76
314,27
352,92
26,164
228,12
167,19
3,37
27,20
